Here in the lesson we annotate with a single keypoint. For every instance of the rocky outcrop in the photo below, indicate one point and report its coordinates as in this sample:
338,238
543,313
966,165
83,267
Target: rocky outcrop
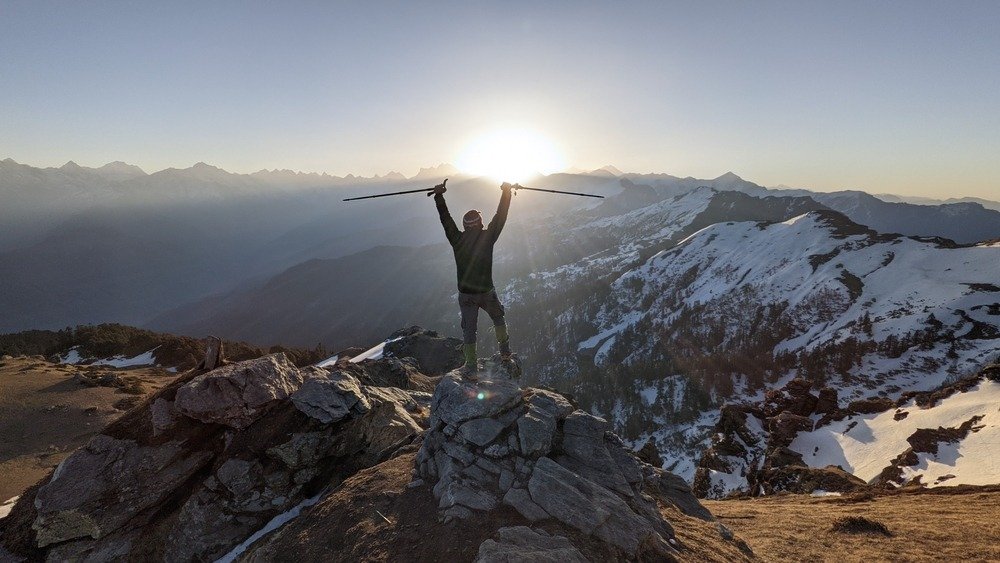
491,444
432,353
749,452
209,460
521,544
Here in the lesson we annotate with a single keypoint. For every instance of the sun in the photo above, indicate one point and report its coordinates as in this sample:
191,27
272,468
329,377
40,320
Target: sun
510,155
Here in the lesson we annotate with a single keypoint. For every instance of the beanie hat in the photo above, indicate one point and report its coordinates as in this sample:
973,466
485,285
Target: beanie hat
471,218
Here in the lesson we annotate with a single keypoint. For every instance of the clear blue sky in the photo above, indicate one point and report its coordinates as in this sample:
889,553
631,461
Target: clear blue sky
885,96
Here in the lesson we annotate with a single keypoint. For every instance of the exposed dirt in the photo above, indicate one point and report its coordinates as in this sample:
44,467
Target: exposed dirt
46,412
961,524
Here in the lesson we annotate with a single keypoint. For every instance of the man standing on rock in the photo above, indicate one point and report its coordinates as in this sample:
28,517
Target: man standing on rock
473,248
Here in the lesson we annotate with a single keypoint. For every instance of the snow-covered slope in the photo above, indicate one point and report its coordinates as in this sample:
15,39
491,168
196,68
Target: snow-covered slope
831,279
739,307
865,445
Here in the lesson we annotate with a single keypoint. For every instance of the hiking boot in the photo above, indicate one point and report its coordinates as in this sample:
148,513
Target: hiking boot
469,372
511,365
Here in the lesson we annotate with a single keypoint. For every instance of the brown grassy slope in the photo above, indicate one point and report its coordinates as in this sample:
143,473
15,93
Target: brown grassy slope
45,414
951,525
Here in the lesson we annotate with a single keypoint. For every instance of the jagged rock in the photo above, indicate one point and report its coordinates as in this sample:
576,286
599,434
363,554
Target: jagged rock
782,456
302,450
103,485
520,500
786,425
401,373
535,430
456,401
163,415
649,454
521,544
329,397
237,394
801,479
672,489
412,401
433,354
592,509
467,494
828,401
580,423
871,405
591,459
552,403
481,431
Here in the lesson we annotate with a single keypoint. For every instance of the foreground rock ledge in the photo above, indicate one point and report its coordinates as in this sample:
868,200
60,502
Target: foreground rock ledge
492,444
206,462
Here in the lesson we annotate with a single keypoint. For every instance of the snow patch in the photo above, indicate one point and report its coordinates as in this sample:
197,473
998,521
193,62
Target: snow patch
6,506
145,359
275,523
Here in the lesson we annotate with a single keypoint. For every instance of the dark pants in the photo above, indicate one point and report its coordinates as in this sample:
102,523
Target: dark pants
470,303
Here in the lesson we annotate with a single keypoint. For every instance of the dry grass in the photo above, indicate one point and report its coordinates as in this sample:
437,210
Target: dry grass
956,525
46,413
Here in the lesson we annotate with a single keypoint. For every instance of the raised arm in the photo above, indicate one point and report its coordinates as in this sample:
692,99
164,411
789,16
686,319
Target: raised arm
500,219
450,229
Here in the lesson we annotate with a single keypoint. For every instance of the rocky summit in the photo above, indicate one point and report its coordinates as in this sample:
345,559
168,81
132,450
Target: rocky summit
491,443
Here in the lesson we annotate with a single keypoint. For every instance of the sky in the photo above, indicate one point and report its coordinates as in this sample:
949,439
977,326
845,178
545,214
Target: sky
900,97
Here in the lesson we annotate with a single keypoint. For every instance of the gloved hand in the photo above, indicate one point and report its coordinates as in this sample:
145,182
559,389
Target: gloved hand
440,189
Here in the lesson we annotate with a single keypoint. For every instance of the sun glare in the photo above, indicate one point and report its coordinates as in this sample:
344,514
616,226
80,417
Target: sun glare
510,155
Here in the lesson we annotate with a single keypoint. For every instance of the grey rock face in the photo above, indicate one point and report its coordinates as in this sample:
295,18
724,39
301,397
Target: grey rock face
481,431
580,423
521,544
163,414
330,397
521,501
535,430
552,403
675,490
592,509
238,394
456,401
103,485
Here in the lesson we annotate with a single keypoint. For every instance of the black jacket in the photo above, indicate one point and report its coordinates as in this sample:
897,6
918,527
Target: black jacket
474,248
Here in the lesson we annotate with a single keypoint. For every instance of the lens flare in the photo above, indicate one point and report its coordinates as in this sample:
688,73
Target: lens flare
481,396
511,155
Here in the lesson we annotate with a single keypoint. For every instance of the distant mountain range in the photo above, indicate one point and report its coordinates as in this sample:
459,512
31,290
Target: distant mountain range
114,243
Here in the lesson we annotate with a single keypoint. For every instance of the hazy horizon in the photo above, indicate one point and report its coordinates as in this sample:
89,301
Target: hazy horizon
899,97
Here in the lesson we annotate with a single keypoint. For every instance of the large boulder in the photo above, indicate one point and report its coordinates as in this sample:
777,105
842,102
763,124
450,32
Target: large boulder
238,394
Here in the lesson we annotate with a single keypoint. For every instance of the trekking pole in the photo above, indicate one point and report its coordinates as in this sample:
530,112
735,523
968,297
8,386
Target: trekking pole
428,190
520,187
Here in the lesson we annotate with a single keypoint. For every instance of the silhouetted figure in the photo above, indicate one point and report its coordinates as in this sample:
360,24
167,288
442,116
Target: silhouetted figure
473,249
